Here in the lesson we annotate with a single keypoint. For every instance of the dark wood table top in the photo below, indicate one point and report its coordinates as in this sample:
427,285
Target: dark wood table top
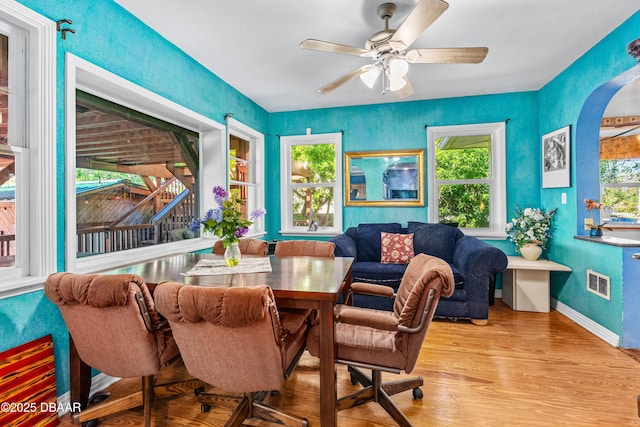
297,277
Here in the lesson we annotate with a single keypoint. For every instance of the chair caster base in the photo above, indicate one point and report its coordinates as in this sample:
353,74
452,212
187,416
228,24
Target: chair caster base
90,423
198,390
417,393
205,407
99,396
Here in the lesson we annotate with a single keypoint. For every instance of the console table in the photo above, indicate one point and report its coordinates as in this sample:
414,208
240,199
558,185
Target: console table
525,284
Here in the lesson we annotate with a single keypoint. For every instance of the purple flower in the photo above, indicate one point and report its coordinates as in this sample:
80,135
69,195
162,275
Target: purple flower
195,225
219,194
208,215
241,231
216,215
258,213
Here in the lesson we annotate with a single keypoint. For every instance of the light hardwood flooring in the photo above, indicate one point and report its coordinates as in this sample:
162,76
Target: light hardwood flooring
522,369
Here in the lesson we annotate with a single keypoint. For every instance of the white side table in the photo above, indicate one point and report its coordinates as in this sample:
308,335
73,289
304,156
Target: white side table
525,284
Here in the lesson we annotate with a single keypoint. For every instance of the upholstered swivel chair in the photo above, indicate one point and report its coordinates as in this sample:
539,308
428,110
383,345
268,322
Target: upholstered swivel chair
232,338
304,248
247,247
388,341
115,328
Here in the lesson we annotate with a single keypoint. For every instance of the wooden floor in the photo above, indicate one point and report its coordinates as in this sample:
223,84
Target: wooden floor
522,369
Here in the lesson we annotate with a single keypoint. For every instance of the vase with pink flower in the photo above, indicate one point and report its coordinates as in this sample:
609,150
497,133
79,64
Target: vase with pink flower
594,230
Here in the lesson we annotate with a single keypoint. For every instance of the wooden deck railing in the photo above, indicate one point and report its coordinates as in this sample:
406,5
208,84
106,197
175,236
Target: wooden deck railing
6,244
99,240
113,238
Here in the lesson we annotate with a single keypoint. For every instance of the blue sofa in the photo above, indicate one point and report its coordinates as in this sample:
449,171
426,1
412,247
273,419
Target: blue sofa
474,264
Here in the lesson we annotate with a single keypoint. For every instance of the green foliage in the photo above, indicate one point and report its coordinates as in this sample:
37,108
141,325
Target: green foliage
98,175
622,200
319,160
468,203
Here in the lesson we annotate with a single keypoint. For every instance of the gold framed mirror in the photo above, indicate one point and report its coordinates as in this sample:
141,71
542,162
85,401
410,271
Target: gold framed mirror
384,178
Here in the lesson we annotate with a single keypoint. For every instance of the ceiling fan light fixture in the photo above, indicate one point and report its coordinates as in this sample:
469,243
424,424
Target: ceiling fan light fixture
369,78
396,82
398,67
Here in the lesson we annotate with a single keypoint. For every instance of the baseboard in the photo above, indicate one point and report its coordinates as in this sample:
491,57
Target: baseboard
98,383
588,324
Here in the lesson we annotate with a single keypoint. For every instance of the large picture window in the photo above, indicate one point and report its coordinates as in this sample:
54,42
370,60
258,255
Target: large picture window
311,192
135,178
466,177
159,159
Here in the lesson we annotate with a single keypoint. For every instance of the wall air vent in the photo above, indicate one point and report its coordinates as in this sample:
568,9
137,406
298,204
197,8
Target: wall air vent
599,284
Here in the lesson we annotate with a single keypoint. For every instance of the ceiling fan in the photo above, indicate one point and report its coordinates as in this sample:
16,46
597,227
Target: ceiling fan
388,50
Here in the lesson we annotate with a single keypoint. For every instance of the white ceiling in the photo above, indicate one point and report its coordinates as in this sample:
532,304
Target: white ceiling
253,44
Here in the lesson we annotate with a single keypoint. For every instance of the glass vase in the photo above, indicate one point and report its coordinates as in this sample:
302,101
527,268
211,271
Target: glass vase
232,255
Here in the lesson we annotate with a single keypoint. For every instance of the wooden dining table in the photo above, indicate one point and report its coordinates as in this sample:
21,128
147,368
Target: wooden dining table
296,282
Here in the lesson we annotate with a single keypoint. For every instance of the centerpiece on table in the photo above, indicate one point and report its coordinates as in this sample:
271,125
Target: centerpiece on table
226,222
530,230
594,230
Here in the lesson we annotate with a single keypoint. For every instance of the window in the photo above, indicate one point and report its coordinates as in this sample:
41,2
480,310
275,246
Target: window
135,178
246,173
466,177
311,193
620,170
27,149
197,147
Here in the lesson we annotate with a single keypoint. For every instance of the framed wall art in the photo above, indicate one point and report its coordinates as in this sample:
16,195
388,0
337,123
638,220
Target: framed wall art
556,158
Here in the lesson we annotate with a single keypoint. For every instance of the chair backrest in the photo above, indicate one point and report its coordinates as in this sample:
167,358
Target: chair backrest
228,337
304,248
112,321
425,280
247,247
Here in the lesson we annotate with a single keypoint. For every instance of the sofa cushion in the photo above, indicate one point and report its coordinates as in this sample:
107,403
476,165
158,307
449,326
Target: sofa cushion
369,244
438,240
376,272
396,248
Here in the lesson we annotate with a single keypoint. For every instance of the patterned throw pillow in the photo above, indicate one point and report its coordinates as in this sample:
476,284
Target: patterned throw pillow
396,248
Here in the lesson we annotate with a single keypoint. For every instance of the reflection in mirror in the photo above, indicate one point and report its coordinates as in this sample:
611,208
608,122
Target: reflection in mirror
384,178
620,163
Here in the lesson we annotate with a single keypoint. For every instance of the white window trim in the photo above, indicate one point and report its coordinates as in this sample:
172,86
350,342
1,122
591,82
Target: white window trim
41,137
83,75
287,229
256,143
498,190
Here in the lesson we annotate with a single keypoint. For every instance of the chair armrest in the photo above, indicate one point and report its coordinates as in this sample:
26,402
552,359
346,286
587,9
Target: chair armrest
345,246
384,320
372,289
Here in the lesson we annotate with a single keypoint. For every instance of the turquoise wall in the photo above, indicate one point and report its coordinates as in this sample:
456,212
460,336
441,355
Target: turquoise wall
578,97
402,126
111,38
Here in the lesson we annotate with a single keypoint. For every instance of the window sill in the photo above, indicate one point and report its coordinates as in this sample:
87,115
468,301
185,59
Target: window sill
22,285
321,233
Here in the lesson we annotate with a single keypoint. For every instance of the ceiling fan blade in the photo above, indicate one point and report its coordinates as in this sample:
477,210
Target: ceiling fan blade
323,46
421,17
405,91
344,79
457,55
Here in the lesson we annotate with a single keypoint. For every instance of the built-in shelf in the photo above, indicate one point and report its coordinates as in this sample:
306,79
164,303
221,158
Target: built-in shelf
611,241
